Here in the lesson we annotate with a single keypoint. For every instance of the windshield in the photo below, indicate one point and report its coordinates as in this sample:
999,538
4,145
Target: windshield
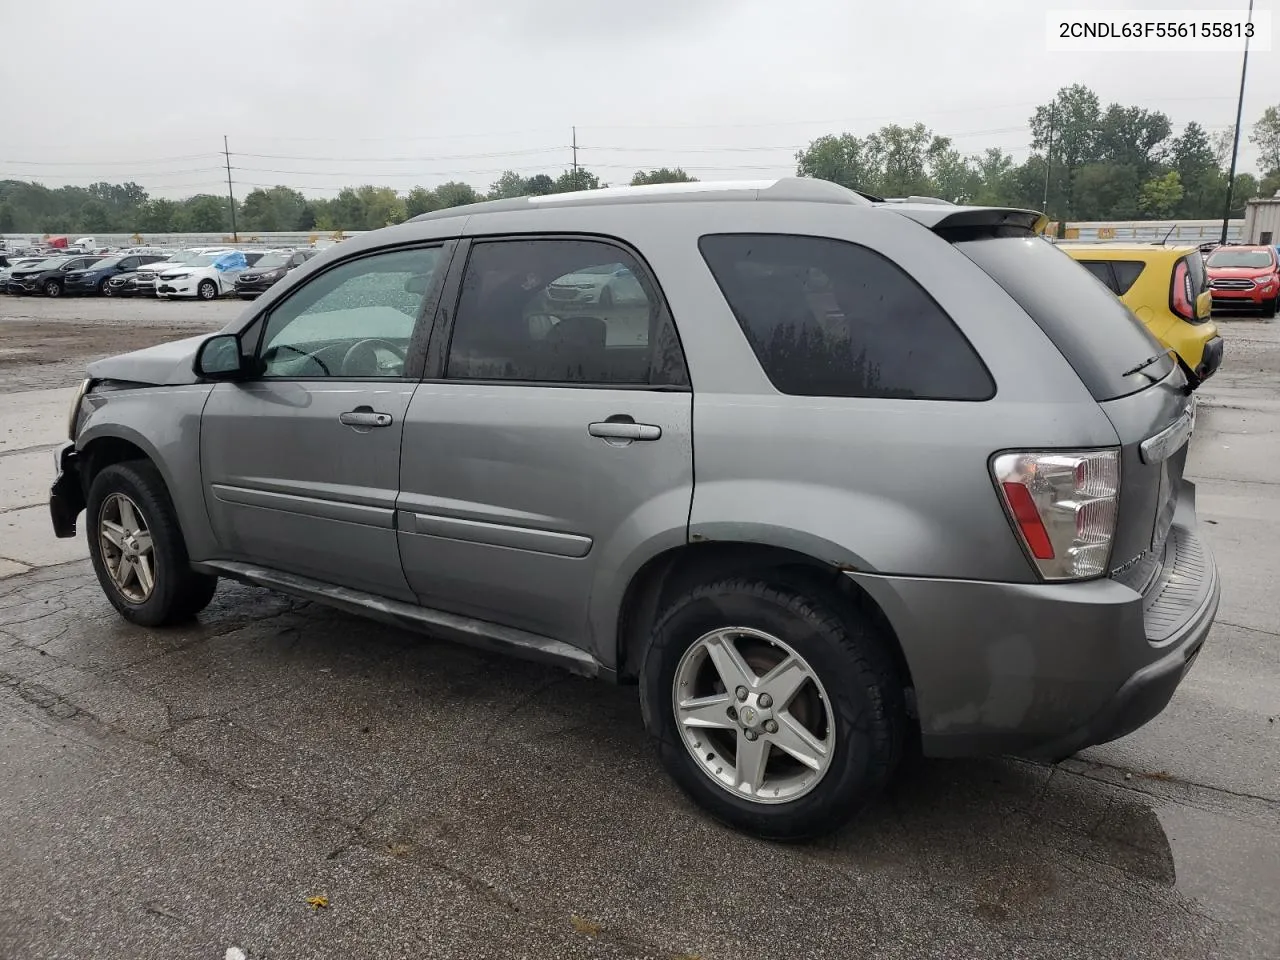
51,264
269,260
104,263
201,260
1241,258
1099,336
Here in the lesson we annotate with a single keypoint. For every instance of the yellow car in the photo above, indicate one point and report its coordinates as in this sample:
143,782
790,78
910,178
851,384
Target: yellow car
1168,289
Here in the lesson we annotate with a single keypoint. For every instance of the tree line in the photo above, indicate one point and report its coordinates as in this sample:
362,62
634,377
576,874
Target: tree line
127,208
1087,162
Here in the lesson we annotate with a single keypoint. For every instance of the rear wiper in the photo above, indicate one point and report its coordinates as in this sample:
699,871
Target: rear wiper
1142,366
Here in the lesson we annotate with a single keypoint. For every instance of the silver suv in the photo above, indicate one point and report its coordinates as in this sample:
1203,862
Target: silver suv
831,479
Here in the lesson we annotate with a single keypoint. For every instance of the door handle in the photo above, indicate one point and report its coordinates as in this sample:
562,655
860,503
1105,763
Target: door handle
624,430
364,417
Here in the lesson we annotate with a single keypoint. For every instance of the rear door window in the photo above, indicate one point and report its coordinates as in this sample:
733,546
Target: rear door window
1099,335
828,318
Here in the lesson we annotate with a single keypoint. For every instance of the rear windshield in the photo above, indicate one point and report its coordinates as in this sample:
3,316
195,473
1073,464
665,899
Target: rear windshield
1099,336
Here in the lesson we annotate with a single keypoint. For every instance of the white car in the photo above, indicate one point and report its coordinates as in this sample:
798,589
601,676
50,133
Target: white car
601,286
144,281
206,277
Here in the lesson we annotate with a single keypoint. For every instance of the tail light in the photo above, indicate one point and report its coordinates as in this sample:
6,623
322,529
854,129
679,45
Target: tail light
1182,295
1063,506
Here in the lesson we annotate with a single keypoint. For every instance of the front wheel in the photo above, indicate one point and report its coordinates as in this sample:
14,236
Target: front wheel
1269,307
772,706
207,290
137,548
53,289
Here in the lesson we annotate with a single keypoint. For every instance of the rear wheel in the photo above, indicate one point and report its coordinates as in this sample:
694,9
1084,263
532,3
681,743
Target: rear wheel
207,290
773,707
53,289
137,548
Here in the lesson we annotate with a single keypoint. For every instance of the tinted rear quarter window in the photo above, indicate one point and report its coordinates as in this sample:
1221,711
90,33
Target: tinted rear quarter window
1102,270
834,319
1099,336
1127,273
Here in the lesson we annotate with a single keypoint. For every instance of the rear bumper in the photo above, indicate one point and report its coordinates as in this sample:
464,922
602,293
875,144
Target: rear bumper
1210,360
66,498
1043,670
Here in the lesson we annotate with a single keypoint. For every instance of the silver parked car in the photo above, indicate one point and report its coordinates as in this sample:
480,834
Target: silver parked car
863,478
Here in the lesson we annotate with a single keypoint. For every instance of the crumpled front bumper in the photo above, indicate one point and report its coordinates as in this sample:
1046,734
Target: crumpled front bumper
66,497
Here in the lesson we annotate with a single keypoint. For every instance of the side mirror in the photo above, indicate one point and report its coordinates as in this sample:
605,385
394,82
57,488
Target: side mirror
416,284
219,358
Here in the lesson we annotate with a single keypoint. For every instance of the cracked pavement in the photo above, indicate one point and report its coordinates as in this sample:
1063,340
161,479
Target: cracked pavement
173,793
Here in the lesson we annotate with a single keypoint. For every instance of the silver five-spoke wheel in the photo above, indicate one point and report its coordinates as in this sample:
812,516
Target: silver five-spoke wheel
127,547
754,715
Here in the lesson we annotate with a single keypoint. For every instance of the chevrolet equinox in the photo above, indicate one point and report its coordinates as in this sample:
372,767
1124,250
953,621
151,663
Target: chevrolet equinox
836,480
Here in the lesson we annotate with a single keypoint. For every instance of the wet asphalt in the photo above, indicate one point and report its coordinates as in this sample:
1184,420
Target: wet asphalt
176,793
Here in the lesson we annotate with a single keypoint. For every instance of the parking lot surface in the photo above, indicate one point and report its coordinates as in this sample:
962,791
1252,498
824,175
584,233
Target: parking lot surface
176,793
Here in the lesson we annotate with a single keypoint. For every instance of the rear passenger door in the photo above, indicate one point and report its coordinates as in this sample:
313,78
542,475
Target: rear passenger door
551,442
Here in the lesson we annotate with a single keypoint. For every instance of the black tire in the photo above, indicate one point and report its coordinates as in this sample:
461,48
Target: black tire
107,291
207,290
53,289
1269,308
849,656
179,593
102,288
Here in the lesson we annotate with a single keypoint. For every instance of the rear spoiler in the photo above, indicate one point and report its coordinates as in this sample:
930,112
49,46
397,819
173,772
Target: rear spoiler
973,223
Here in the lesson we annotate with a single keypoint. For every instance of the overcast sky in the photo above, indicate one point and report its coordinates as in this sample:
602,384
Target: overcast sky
325,93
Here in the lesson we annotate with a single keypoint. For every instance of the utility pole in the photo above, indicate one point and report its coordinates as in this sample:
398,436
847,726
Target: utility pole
1235,142
231,197
1048,156
575,154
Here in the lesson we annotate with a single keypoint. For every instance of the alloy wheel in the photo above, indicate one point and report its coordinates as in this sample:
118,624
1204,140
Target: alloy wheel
127,548
754,715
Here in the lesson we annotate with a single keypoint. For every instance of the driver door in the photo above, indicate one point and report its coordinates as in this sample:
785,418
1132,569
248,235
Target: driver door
301,463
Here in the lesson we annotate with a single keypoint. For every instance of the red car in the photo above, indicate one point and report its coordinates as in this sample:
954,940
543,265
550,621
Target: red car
1244,278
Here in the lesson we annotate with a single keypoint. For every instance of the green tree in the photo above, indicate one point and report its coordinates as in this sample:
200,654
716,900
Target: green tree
841,159
1132,136
661,175
1160,195
1246,189
1204,187
276,208
902,155
380,206
420,200
580,179
456,193
95,217
158,216
994,175
539,185
509,185
204,213
1266,137
1067,130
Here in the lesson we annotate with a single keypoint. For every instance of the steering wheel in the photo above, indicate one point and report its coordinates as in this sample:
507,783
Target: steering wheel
361,360
320,363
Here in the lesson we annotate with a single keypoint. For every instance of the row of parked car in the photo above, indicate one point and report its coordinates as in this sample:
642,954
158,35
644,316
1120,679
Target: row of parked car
203,273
